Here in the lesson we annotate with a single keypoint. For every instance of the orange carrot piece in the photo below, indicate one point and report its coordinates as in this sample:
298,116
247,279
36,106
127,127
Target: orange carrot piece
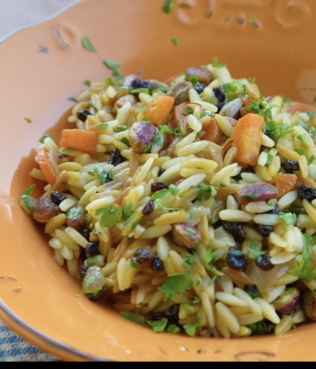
213,132
295,106
285,183
159,109
85,141
49,169
247,139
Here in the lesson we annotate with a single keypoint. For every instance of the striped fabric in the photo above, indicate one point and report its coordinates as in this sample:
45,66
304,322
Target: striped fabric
15,348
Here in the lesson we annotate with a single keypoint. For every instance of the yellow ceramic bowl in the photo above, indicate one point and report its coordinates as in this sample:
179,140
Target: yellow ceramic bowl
42,66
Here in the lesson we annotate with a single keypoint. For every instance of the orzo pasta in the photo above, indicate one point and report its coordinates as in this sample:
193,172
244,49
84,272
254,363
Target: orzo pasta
190,206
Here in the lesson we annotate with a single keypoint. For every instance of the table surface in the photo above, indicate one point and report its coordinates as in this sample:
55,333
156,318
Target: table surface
17,14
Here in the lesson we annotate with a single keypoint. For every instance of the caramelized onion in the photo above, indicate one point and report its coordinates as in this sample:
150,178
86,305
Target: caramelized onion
238,276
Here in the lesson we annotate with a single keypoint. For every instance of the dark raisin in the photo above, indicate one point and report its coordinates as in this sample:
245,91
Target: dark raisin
172,315
157,186
140,83
199,87
219,93
57,197
220,106
267,132
276,210
141,255
290,166
82,256
157,265
234,228
307,192
252,290
116,158
161,171
93,249
96,296
62,156
148,208
218,224
264,263
83,114
83,271
264,230
85,233
236,260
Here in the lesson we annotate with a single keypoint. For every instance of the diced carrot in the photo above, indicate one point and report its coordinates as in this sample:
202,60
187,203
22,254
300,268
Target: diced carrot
213,132
178,112
253,91
295,106
47,165
85,141
285,183
247,139
159,109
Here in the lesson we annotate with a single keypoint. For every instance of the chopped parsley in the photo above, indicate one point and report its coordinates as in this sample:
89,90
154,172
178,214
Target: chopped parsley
256,252
101,174
190,329
204,190
102,126
250,196
120,129
87,83
252,80
311,159
162,194
191,214
188,262
176,283
111,215
133,317
302,138
307,244
45,136
161,207
73,212
287,217
113,65
305,271
300,151
29,120
188,111
174,329
272,202
140,90
168,6
209,256
270,159
191,232
158,325
277,130
87,44
28,203
259,328
194,79
310,113
29,190
135,224
193,309
72,99
148,148
134,264
125,141
93,234
216,64
175,41
253,20
173,189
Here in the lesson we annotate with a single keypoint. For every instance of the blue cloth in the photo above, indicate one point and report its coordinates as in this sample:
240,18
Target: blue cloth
15,348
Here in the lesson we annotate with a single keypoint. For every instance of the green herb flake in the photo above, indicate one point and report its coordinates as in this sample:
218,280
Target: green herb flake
111,215
140,90
188,262
194,79
173,189
133,317
113,66
191,214
311,159
128,211
300,151
120,129
174,329
46,135
270,159
168,6
135,265
190,329
193,309
310,113
64,182
158,325
307,244
302,138
287,217
29,190
272,202
259,328
162,194
216,64
161,207
191,232
305,271
204,190
275,129
176,283
77,296
87,83
69,149
209,256
255,250
188,111
164,129
102,126
89,280
175,41
28,203
150,222
73,212
253,20
252,80
147,148
93,234
125,141
72,99
87,44
251,196
29,120
135,224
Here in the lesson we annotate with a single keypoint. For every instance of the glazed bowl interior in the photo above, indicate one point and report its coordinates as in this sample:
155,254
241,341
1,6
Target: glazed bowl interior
42,66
